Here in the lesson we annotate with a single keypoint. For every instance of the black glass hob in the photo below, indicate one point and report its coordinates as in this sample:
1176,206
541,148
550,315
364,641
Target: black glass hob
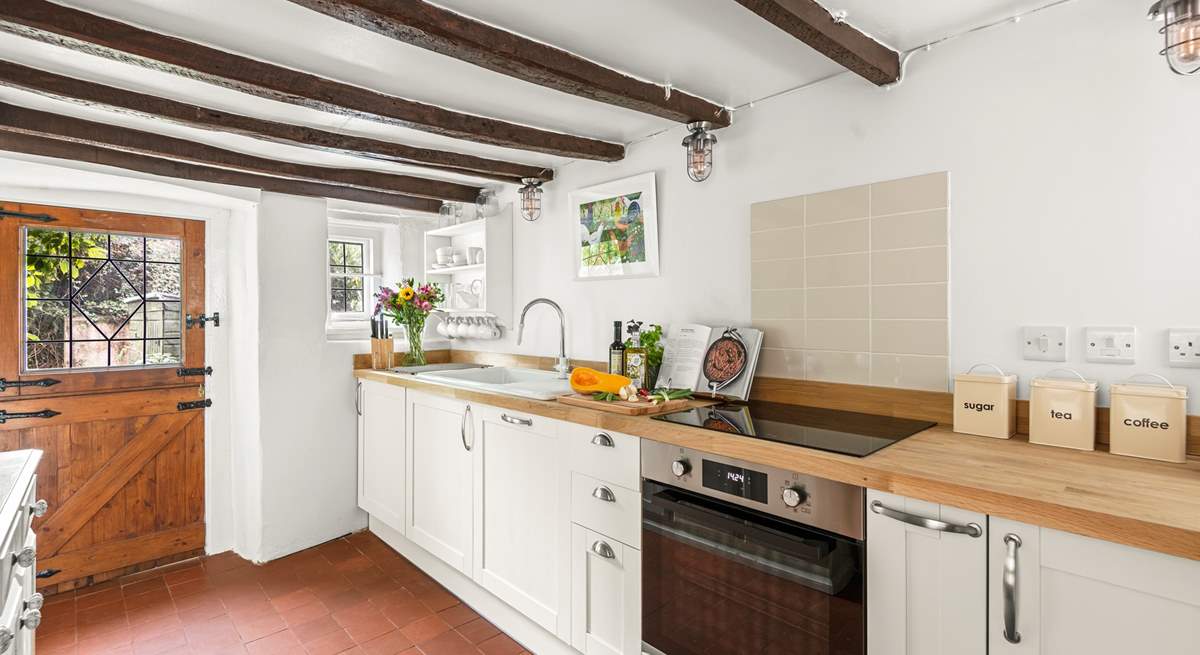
847,433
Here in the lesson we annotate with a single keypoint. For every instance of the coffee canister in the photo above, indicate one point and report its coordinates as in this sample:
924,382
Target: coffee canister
1062,411
1149,420
985,404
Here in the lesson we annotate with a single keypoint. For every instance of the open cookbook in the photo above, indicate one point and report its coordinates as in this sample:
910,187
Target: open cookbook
717,361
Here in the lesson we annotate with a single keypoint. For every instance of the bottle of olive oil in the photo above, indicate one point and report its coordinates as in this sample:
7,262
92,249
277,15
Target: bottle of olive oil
635,355
616,352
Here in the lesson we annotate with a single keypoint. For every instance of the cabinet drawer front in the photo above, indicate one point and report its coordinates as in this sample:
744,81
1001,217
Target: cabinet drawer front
607,508
606,595
605,455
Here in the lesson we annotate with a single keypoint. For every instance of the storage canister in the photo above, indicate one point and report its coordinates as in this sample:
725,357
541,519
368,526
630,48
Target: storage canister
1062,412
1149,420
984,403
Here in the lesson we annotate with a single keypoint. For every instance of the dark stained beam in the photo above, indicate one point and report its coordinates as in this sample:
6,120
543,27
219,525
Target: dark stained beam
426,26
58,149
83,32
92,94
67,128
811,23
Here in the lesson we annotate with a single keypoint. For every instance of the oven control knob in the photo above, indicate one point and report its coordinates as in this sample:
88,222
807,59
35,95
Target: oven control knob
681,467
794,496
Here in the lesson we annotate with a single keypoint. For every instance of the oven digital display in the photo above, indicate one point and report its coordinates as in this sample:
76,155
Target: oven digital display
735,480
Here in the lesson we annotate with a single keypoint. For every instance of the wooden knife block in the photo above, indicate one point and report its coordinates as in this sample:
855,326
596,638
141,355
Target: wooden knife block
381,353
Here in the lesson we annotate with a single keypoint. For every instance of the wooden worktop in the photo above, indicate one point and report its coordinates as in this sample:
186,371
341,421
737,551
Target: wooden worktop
1139,503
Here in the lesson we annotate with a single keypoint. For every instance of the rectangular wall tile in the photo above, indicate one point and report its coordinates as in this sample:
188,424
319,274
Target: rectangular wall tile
781,333
910,194
837,270
837,238
837,302
905,337
909,266
777,244
846,368
777,274
780,363
786,212
777,303
910,372
909,230
909,301
832,334
838,205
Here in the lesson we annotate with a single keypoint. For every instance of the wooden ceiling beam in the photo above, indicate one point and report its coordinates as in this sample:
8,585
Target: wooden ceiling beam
57,126
88,93
74,151
442,31
811,23
92,34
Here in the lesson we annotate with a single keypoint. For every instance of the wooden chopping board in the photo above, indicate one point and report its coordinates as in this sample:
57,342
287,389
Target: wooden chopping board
624,406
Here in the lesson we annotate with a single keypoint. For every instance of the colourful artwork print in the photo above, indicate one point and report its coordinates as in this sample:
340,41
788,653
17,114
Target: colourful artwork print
612,231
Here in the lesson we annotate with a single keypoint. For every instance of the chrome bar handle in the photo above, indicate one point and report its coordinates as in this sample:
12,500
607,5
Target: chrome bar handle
516,420
604,493
603,440
971,529
603,550
1009,584
358,398
462,429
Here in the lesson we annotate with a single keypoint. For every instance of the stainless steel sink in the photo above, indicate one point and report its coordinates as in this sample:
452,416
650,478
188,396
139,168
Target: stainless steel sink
510,381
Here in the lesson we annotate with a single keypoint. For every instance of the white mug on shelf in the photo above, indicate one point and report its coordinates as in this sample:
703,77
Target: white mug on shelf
474,255
444,255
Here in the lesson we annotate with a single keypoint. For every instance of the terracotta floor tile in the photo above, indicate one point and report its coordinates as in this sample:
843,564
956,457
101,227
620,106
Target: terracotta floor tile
103,597
330,643
160,644
189,587
423,630
144,586
280,643
458,615
315,628
213,632
405,612
391,643
151,613
304,613
370,628
182,575
438,599
54,641
478,630
500,645
156,627
159,596
449,643
106,641
258,626
343,599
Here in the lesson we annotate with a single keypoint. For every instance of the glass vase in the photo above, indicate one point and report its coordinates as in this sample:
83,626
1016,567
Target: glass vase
416,353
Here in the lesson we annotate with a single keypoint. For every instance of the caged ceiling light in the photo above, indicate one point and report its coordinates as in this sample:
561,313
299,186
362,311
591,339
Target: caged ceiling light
531,199
698,150
1181,33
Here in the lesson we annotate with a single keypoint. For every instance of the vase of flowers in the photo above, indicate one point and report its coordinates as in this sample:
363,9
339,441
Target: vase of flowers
409,305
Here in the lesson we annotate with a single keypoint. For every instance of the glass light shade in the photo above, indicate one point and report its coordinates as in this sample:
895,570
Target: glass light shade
531,199
698,151
483,203
446,210
1181,34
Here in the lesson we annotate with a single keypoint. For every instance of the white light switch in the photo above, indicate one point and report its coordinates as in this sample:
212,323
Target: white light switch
1110,345
1045,343
1183,348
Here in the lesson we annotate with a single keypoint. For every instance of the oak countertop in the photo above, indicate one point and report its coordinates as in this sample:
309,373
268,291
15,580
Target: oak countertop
1146,504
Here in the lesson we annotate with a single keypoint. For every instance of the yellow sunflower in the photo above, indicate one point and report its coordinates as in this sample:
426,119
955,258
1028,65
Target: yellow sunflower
406,293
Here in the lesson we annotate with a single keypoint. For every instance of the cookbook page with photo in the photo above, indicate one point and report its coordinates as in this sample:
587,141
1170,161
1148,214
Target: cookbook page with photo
719,361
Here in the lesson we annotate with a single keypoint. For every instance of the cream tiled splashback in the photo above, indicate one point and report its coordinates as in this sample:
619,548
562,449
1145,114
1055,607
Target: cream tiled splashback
851,285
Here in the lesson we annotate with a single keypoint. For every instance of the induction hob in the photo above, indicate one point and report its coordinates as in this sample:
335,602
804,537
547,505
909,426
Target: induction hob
847,433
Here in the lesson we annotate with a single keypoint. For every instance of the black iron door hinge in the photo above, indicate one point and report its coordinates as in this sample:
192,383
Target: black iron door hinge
48,573
6,416
194,404
41,218
40,382
202,320
186,372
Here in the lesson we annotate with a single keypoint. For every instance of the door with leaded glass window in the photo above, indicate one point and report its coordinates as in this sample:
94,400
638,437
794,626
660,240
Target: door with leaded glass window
93,339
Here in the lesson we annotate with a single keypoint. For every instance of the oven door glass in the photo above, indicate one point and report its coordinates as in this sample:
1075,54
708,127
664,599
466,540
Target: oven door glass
718,579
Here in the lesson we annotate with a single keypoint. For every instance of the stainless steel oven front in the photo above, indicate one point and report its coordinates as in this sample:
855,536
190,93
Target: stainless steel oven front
739,558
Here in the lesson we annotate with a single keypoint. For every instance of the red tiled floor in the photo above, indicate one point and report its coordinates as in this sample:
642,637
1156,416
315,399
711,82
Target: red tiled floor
350,596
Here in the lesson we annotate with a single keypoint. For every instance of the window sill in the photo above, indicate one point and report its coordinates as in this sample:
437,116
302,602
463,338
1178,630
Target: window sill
356,331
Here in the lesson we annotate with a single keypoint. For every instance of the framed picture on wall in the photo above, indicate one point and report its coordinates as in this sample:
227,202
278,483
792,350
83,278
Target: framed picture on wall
615,229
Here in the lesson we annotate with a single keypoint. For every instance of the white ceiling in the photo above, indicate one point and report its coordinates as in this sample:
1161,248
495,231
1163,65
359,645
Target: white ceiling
713,48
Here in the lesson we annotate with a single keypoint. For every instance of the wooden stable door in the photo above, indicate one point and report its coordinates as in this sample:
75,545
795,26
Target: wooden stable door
94,352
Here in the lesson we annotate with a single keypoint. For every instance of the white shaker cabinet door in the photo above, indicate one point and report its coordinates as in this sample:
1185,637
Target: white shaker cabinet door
1080,596
606,590
522,520
926,578
381,452
441,433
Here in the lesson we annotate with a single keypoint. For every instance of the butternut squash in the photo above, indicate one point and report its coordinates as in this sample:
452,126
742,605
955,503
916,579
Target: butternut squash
588,380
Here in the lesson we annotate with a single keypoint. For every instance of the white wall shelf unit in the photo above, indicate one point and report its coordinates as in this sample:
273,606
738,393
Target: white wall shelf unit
494,235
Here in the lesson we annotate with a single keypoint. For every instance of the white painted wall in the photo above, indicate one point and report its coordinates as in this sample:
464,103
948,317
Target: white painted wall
1073,179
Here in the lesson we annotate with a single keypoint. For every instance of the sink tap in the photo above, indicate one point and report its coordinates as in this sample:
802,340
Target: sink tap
563,366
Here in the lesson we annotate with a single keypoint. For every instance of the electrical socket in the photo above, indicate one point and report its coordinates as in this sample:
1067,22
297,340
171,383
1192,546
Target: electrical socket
1183,347
1110,345
1045,343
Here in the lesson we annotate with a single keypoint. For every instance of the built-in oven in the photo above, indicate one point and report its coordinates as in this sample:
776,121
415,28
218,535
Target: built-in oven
740,559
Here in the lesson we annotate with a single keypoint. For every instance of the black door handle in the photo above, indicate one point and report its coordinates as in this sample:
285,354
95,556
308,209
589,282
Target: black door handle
41,382
6,416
